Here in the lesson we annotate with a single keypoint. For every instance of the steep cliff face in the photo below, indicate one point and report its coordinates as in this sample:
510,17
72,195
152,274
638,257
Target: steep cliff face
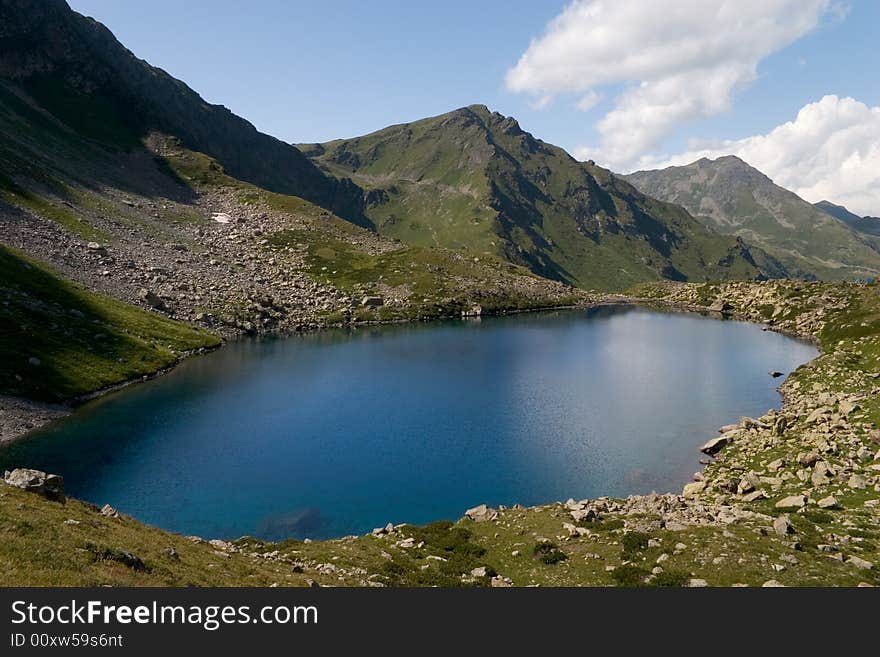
74,68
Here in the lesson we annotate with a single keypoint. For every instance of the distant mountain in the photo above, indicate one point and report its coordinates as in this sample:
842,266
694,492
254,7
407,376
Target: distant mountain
867,225
75,69
737,199
473,180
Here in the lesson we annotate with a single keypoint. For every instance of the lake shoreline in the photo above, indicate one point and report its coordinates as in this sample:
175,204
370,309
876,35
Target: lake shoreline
762,493
20,417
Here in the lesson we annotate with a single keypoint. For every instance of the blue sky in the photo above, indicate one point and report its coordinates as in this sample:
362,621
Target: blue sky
313,71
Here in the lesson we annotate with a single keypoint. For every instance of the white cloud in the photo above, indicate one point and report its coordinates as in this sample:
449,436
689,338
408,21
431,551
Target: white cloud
831,150
541,102
677,61
589,100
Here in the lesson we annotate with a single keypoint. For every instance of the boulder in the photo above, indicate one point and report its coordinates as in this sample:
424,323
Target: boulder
372,302
501,582
152,299
782,526
846,407
583,515
857,482
715,445
829,502
748,483
481,513
860,563
818,414
754,496
694,488
807,459
473,311
821,474
720,306
780,425
792,502
776,465
50,486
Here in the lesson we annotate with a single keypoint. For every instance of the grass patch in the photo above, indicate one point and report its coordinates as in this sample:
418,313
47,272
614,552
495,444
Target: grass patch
59,340
633,543
548,553
629,575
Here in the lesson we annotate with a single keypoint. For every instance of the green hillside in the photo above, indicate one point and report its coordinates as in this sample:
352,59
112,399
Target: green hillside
58,340
473,180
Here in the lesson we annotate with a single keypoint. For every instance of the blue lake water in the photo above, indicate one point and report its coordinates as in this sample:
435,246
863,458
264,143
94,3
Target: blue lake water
336,433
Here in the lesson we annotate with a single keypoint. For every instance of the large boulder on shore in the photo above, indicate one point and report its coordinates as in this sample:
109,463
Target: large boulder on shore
50,486
715,445
481,513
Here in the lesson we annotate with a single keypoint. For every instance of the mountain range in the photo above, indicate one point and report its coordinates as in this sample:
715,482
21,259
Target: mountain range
734,198
86,124
865,225
473,180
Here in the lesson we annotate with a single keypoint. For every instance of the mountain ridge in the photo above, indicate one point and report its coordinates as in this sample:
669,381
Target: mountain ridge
866,225
735,198
473,179
83,75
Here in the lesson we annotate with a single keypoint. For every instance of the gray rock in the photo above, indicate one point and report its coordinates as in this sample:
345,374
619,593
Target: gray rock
754,496
715,445
792,502
50,486
846,407
782,526
780,425
829,502
694,488
372,302
857,482
720,306
748,483
501,582
860,563
481,513
776,465
152,299
583,515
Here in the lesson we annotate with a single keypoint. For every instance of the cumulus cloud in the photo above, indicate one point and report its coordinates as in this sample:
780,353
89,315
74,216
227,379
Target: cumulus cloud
676,61
831,150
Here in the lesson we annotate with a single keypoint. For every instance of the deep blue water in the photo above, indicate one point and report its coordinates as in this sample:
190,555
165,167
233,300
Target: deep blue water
336,433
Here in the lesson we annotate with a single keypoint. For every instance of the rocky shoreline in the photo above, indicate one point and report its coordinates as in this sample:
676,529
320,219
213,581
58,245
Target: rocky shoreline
788,498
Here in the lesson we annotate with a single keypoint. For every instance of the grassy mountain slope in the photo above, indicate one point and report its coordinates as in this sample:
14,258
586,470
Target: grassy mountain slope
58,340
736,199
77,71
866,225
473,180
